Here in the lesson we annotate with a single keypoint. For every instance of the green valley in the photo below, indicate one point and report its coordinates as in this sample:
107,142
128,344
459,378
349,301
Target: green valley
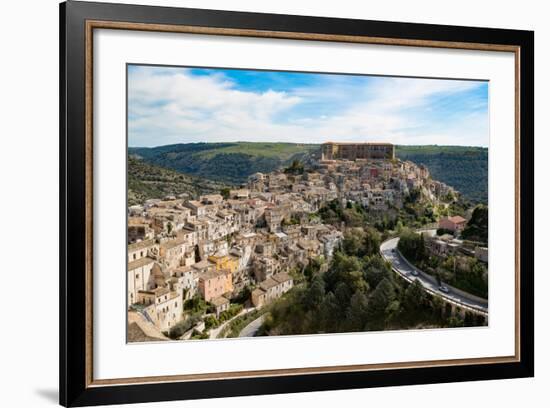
464,168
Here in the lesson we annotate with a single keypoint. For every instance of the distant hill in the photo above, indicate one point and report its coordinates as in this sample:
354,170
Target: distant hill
227,162
464,168
149,181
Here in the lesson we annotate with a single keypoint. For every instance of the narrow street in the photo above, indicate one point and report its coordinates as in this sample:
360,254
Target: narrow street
252,328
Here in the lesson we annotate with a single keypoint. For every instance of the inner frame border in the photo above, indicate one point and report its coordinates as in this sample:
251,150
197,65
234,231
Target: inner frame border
90,25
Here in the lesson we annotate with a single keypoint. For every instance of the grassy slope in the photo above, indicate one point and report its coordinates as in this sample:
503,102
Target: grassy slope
149,181
228,162
282,151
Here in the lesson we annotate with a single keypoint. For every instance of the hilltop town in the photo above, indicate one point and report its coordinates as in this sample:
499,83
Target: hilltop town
221,255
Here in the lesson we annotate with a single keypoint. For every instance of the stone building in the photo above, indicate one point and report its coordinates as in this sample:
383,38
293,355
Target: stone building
355,151
163,307
272,288
139,277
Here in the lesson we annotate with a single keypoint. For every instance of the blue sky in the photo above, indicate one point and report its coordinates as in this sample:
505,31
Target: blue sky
169,105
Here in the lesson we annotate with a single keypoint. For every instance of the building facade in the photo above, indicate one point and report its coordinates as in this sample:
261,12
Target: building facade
354,151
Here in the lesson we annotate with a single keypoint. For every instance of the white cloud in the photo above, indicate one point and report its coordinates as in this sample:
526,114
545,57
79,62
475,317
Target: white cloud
174,106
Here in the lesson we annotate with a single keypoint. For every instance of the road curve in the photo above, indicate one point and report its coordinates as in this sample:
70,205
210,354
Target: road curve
251,328
388,250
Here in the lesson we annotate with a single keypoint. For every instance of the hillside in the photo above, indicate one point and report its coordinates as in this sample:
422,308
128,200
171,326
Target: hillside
149,181
464,168
227,162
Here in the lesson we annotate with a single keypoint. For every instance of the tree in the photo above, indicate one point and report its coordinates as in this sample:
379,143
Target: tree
352,218
361,242
414,195
414,296
371,241
399,227
477,228
469,319
342,266
455,321
315,294
381,298
412,246
354,242
438,278
356,314
342,294
376,270
225,192
330,313
295,168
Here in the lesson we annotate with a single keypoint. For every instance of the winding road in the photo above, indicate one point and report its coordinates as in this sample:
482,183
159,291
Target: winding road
388,250
251,328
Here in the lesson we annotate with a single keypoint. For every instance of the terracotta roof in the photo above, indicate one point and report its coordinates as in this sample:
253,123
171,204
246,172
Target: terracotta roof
219,301
211,274
136,334
172,243
282,277
160,291
268,284
457,219
258,292
202,264
141,244
183,269
138,263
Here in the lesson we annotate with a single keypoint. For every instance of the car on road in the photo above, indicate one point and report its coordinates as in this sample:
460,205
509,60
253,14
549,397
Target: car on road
414,272
443,288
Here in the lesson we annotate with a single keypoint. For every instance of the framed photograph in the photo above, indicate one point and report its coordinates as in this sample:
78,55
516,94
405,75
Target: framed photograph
257,204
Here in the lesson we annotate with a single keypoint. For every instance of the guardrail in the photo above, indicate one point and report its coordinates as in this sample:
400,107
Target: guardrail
432,280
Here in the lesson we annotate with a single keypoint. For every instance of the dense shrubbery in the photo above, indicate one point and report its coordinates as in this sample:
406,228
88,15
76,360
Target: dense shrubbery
359,292
211,321
412,246
463,272
195,305
477,228
296,167
180,328
443,231
353,215
360,242
235,327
